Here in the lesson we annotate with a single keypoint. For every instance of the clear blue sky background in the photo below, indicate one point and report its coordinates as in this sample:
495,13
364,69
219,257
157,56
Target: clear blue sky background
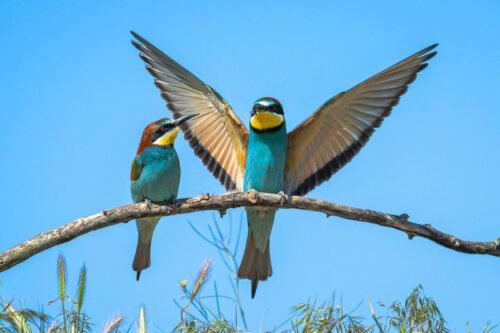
75,98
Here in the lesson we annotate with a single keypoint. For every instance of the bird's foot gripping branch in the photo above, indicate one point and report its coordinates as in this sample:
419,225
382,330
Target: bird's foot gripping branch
221,203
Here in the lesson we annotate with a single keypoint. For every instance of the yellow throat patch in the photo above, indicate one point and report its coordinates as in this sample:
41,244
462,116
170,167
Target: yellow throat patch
266,120
167,138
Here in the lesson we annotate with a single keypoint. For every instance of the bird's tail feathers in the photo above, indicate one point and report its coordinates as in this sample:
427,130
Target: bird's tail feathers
142,259
255,265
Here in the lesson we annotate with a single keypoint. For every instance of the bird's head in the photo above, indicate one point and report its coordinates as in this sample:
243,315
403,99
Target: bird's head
161,132
267,115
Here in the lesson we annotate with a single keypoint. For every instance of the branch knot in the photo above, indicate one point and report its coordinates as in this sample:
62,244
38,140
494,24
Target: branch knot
403,217
253,196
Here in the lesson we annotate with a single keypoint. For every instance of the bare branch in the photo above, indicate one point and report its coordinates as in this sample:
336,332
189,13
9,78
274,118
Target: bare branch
221,203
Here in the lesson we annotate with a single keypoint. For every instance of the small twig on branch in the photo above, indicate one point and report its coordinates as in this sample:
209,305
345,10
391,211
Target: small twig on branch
221,203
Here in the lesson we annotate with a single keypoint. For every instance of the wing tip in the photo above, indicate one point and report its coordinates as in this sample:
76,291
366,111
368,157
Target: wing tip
425,54
138,37
428,56
428,49
136,45
432,46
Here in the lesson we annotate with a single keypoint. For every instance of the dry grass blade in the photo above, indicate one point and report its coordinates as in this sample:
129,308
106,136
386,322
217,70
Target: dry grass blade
201,279
142,320
114,324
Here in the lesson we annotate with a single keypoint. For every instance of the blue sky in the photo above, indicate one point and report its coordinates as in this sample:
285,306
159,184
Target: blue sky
75,98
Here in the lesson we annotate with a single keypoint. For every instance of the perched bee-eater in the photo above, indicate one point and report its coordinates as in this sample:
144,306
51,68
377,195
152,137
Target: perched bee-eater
266,158
154,177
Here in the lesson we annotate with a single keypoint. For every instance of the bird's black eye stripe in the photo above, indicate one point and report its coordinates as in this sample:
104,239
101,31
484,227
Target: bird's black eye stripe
276,108
166,127
161,130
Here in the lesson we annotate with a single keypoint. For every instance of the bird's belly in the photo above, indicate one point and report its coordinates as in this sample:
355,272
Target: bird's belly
264,170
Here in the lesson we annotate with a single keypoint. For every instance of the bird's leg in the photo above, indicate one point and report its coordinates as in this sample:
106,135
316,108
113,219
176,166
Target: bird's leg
284,197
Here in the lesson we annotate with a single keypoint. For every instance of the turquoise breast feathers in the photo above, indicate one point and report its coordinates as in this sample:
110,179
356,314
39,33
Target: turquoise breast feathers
160,176
265,164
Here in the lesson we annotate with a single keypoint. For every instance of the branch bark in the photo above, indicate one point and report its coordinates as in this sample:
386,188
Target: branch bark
107,218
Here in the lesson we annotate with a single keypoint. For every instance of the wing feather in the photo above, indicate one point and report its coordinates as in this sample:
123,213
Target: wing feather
135,170
333,134
217,135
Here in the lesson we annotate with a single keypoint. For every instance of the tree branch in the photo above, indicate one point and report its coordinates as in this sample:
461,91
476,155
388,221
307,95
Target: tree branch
46,240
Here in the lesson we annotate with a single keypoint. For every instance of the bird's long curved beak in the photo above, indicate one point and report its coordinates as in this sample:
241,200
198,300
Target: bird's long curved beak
185,118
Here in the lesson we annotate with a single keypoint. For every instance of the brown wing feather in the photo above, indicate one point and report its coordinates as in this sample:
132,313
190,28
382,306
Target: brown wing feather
217,136
135,170
332,135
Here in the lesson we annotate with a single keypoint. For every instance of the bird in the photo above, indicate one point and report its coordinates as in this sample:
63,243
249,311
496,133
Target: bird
267,158
154,177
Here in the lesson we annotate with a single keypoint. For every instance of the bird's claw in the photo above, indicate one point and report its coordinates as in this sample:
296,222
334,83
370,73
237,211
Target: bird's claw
284,197
148,203
164,202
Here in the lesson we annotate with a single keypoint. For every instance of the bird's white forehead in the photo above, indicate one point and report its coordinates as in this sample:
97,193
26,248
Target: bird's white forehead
265,102
167,121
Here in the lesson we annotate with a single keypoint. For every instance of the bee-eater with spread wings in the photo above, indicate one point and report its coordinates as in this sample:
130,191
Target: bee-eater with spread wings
266,158
154,176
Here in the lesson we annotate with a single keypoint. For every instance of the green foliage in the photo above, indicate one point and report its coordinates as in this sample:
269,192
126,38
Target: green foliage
417,314
215,326
14,319
327,317
70,319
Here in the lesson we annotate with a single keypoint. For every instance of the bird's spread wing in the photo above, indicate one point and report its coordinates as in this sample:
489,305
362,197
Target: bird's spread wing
331,136
217,135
